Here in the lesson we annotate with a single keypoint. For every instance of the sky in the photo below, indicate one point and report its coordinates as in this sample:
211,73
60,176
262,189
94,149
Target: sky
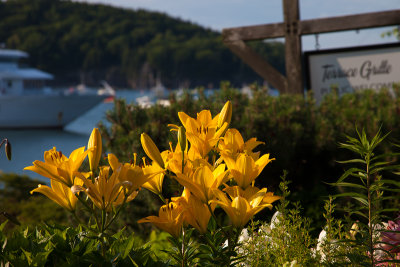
220,14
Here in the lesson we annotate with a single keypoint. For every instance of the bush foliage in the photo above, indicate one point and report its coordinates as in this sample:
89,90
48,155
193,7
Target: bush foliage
301,135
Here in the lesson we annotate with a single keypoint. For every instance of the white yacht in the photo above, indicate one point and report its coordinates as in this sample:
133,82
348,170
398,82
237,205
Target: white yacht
26,101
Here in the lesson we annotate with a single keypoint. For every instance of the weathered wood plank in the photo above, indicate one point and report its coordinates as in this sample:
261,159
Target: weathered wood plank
259,65
351,22
312,26
294,75
256,32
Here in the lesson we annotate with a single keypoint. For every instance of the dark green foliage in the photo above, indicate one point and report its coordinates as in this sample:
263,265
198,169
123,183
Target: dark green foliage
87,43
52,245
301,135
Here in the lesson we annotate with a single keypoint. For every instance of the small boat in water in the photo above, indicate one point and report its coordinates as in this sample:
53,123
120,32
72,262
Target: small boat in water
26,101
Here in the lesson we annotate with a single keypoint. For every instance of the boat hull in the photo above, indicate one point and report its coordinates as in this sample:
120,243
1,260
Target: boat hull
44,111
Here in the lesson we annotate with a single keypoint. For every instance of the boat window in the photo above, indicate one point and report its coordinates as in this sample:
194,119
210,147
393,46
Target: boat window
9,83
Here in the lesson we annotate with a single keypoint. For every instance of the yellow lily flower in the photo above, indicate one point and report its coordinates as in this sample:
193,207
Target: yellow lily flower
59,193
57,166
196,213
151,150
240,210
203,141
156,181
204,119
95,154
170,218
244,169
132,173
107,191
203,181
202,132
251,193
233,144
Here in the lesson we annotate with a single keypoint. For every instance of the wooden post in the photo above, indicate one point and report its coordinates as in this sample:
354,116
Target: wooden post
292,47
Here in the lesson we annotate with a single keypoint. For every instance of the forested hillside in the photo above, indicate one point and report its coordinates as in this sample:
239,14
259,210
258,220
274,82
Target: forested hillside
129,48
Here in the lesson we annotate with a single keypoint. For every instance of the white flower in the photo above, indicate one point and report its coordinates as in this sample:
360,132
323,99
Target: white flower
275,219
244,236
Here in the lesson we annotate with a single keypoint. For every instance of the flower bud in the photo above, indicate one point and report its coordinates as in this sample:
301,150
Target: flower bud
7,148
151,149
96,146
182,138
225,115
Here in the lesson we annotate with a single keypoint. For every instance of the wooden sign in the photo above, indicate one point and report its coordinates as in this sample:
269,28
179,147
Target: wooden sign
354,69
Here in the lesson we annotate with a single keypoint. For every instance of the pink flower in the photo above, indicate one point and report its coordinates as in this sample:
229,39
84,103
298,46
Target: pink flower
391,238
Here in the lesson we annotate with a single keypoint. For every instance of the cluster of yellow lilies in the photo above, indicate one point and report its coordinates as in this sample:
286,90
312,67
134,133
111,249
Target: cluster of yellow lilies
211,161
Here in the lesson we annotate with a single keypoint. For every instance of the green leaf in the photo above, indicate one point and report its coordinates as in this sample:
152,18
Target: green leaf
362,214
360,197
128,247
352,161
352,172
385,168
362,200
379,163
388,210
3,225
344,184
352,148
386,181
28,256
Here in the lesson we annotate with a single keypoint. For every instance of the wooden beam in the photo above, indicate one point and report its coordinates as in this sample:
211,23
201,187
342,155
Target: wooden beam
259,65
312,26
257,32
344,23
294,74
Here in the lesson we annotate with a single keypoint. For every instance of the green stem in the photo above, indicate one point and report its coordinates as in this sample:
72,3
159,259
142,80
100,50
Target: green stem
216,221
103,220
370,230
232,243
95,217
77,218
117,213
103,239
91,210
183,161
183,254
